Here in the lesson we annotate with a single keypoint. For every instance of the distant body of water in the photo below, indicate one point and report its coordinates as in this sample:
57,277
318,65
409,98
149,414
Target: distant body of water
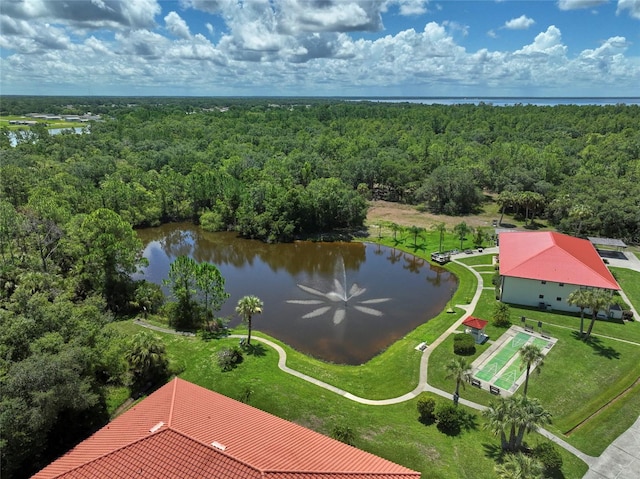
13,137
507,101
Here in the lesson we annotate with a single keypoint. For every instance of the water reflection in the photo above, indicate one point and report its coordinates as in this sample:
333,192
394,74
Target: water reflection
341,302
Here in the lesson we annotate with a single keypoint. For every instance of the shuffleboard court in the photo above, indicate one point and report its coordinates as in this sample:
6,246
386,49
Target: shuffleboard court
502,357
500,367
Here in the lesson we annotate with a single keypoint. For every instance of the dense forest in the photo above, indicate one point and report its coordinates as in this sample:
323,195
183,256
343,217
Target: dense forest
272,169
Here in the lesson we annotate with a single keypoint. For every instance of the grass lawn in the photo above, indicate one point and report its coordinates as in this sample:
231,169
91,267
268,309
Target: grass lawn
630,282
601,369
478,260
577,382
392,432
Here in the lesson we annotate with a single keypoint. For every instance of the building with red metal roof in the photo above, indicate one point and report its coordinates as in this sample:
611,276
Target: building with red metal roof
542,268
475,327
186,431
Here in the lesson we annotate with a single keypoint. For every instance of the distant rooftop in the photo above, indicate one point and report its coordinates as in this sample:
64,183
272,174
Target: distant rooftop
607,242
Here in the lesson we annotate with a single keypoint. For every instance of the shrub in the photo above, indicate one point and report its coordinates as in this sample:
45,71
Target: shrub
426,408
548,455
343,433
464,344
229,358
448,418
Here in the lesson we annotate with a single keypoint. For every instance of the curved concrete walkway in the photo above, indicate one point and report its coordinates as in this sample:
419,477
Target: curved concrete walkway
625,451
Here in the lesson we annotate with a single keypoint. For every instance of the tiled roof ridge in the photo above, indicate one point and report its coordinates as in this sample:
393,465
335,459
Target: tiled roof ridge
173,399
163,430
112,451
214,449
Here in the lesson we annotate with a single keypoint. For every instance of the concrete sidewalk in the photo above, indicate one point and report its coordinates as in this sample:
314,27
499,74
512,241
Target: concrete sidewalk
621,460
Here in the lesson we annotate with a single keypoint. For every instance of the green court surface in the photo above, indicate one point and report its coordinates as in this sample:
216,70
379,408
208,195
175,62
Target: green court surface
515,369
503,356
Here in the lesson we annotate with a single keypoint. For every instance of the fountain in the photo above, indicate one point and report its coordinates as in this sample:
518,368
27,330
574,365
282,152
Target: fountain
340,294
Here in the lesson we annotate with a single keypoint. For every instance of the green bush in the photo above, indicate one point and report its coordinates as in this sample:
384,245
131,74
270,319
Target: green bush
229,358
343,433
464,344
549,456
426,408
449,418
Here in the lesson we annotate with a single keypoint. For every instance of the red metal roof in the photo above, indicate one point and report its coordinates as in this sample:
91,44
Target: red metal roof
551,256
475,323
186,431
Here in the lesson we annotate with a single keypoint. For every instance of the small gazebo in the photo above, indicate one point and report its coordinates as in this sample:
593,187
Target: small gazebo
475,327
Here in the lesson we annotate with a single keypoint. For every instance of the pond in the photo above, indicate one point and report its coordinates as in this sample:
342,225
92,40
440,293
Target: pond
338,302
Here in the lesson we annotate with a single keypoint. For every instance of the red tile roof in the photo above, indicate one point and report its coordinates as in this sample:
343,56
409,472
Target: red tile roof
186,431
550,256
475,323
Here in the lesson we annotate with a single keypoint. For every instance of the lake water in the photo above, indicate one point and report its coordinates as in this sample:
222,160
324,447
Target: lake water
13,139
339,302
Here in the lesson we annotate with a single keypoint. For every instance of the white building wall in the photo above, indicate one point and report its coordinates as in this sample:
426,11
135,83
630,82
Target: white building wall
530,292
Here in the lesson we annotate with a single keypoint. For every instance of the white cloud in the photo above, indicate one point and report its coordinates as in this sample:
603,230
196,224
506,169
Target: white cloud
410,7
548,42
579,4
305,48
521,23
632,5
492,34
177,26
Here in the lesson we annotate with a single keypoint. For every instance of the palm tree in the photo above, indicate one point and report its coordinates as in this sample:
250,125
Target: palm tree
462,230
520,466
580,213
518,415
415,231
247,307
497,420
598,299
460,370
396,228
530,354
147,359
441,228
506,200
579,298
529,415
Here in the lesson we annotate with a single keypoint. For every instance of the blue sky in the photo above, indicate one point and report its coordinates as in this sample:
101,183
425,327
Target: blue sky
320,47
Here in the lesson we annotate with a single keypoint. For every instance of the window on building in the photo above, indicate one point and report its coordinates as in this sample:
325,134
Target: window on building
541,296
561,284
558,298
543,282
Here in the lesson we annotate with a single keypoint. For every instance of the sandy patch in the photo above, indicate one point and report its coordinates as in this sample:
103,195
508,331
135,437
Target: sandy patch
408,215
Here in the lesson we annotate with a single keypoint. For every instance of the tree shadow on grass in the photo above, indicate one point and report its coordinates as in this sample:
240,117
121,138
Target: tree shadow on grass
602,350
468,421
255,349
492,450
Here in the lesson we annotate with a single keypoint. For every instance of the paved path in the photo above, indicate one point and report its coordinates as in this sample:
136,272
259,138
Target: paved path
621,460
